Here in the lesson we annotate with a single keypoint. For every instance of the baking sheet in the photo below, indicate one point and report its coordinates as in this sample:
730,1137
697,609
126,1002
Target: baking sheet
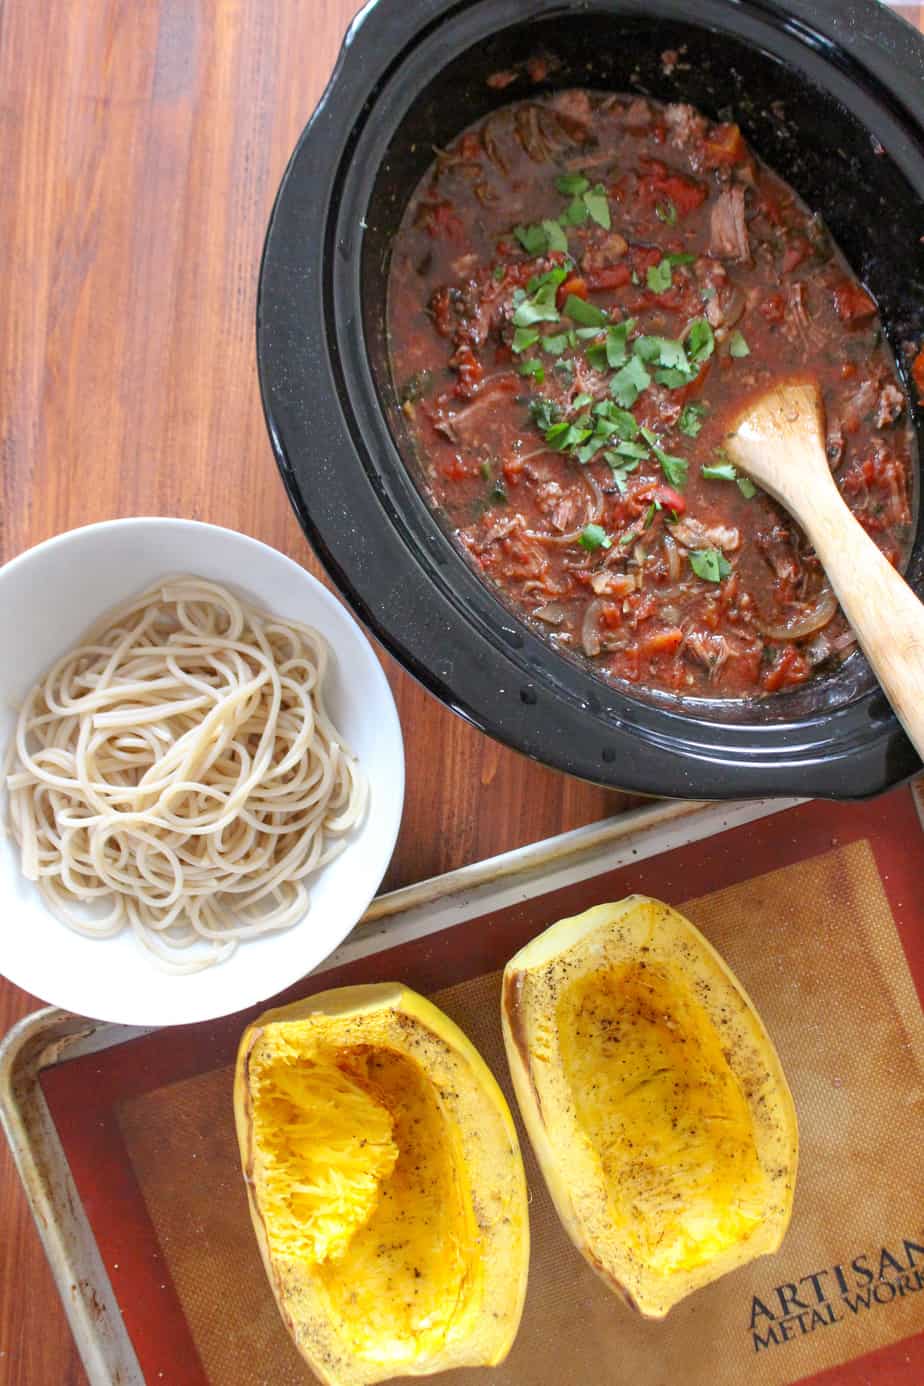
816,910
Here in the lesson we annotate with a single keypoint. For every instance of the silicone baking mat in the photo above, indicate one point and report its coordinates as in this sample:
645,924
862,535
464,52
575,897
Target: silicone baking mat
819,910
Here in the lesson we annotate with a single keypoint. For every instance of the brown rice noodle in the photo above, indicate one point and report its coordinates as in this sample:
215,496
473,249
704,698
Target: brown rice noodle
179,771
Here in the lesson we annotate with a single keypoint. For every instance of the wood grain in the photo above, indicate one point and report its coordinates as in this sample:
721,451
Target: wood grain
140,148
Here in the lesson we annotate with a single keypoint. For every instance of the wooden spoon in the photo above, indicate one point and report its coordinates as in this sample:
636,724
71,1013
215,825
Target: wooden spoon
779,441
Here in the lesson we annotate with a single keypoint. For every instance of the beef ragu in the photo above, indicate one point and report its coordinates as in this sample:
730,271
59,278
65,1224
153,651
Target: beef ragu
582,288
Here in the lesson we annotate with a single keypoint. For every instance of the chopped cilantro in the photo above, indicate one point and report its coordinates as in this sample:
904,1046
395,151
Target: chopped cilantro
534,368
597,206
575,214
571,184
595,537
555,343
533,239
720,471
596,355
485,470
746,487
666,211
700,341
587,314
555,236
623,422
629,382
620,467
616,343
499,272
581,401
691,417
540,306
709,564
661,276
524,338
565,368
650,513
544,411
737,346
674,468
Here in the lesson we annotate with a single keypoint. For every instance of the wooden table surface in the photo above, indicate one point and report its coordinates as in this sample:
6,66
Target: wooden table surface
141,148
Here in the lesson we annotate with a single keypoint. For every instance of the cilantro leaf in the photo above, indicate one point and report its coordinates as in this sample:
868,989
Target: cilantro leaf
555,343
595,537
617,338
524,338
533,239
719,471
571,184
534,368
540,307
625,448
623,422
598,207
660,277
627,384
555,236
700,341
746,487
596,355
575,214
691,418
709,564
544,411
587,314
674,468
737,346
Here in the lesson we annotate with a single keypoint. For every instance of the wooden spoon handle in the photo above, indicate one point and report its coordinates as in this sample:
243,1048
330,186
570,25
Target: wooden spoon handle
885,613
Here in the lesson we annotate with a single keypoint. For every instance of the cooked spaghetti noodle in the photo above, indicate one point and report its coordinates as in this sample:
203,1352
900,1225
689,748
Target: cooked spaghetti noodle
178,772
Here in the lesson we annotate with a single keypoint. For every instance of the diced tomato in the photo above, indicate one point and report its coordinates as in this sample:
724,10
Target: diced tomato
665,495
917,374
791,668
798,249
848,370
662,641
610,277
469,370
773,308
661,187
611,615
644,256
576,285
725,146
853,304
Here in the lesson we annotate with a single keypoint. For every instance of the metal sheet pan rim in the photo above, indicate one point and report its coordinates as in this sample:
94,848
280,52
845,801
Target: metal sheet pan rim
441,902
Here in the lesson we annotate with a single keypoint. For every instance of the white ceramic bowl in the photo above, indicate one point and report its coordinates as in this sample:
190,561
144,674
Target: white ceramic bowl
48,597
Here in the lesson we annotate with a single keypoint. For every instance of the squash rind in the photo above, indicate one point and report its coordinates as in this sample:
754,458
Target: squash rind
536,980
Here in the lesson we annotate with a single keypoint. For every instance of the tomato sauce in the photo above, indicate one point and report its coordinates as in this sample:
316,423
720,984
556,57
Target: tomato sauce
583,287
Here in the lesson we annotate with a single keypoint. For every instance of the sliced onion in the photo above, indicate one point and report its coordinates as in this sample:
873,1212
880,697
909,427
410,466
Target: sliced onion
593,517
590,628
553,612
813,618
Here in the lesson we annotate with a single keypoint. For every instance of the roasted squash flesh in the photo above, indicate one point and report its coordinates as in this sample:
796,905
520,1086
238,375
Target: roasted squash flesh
386,1185
653,1097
